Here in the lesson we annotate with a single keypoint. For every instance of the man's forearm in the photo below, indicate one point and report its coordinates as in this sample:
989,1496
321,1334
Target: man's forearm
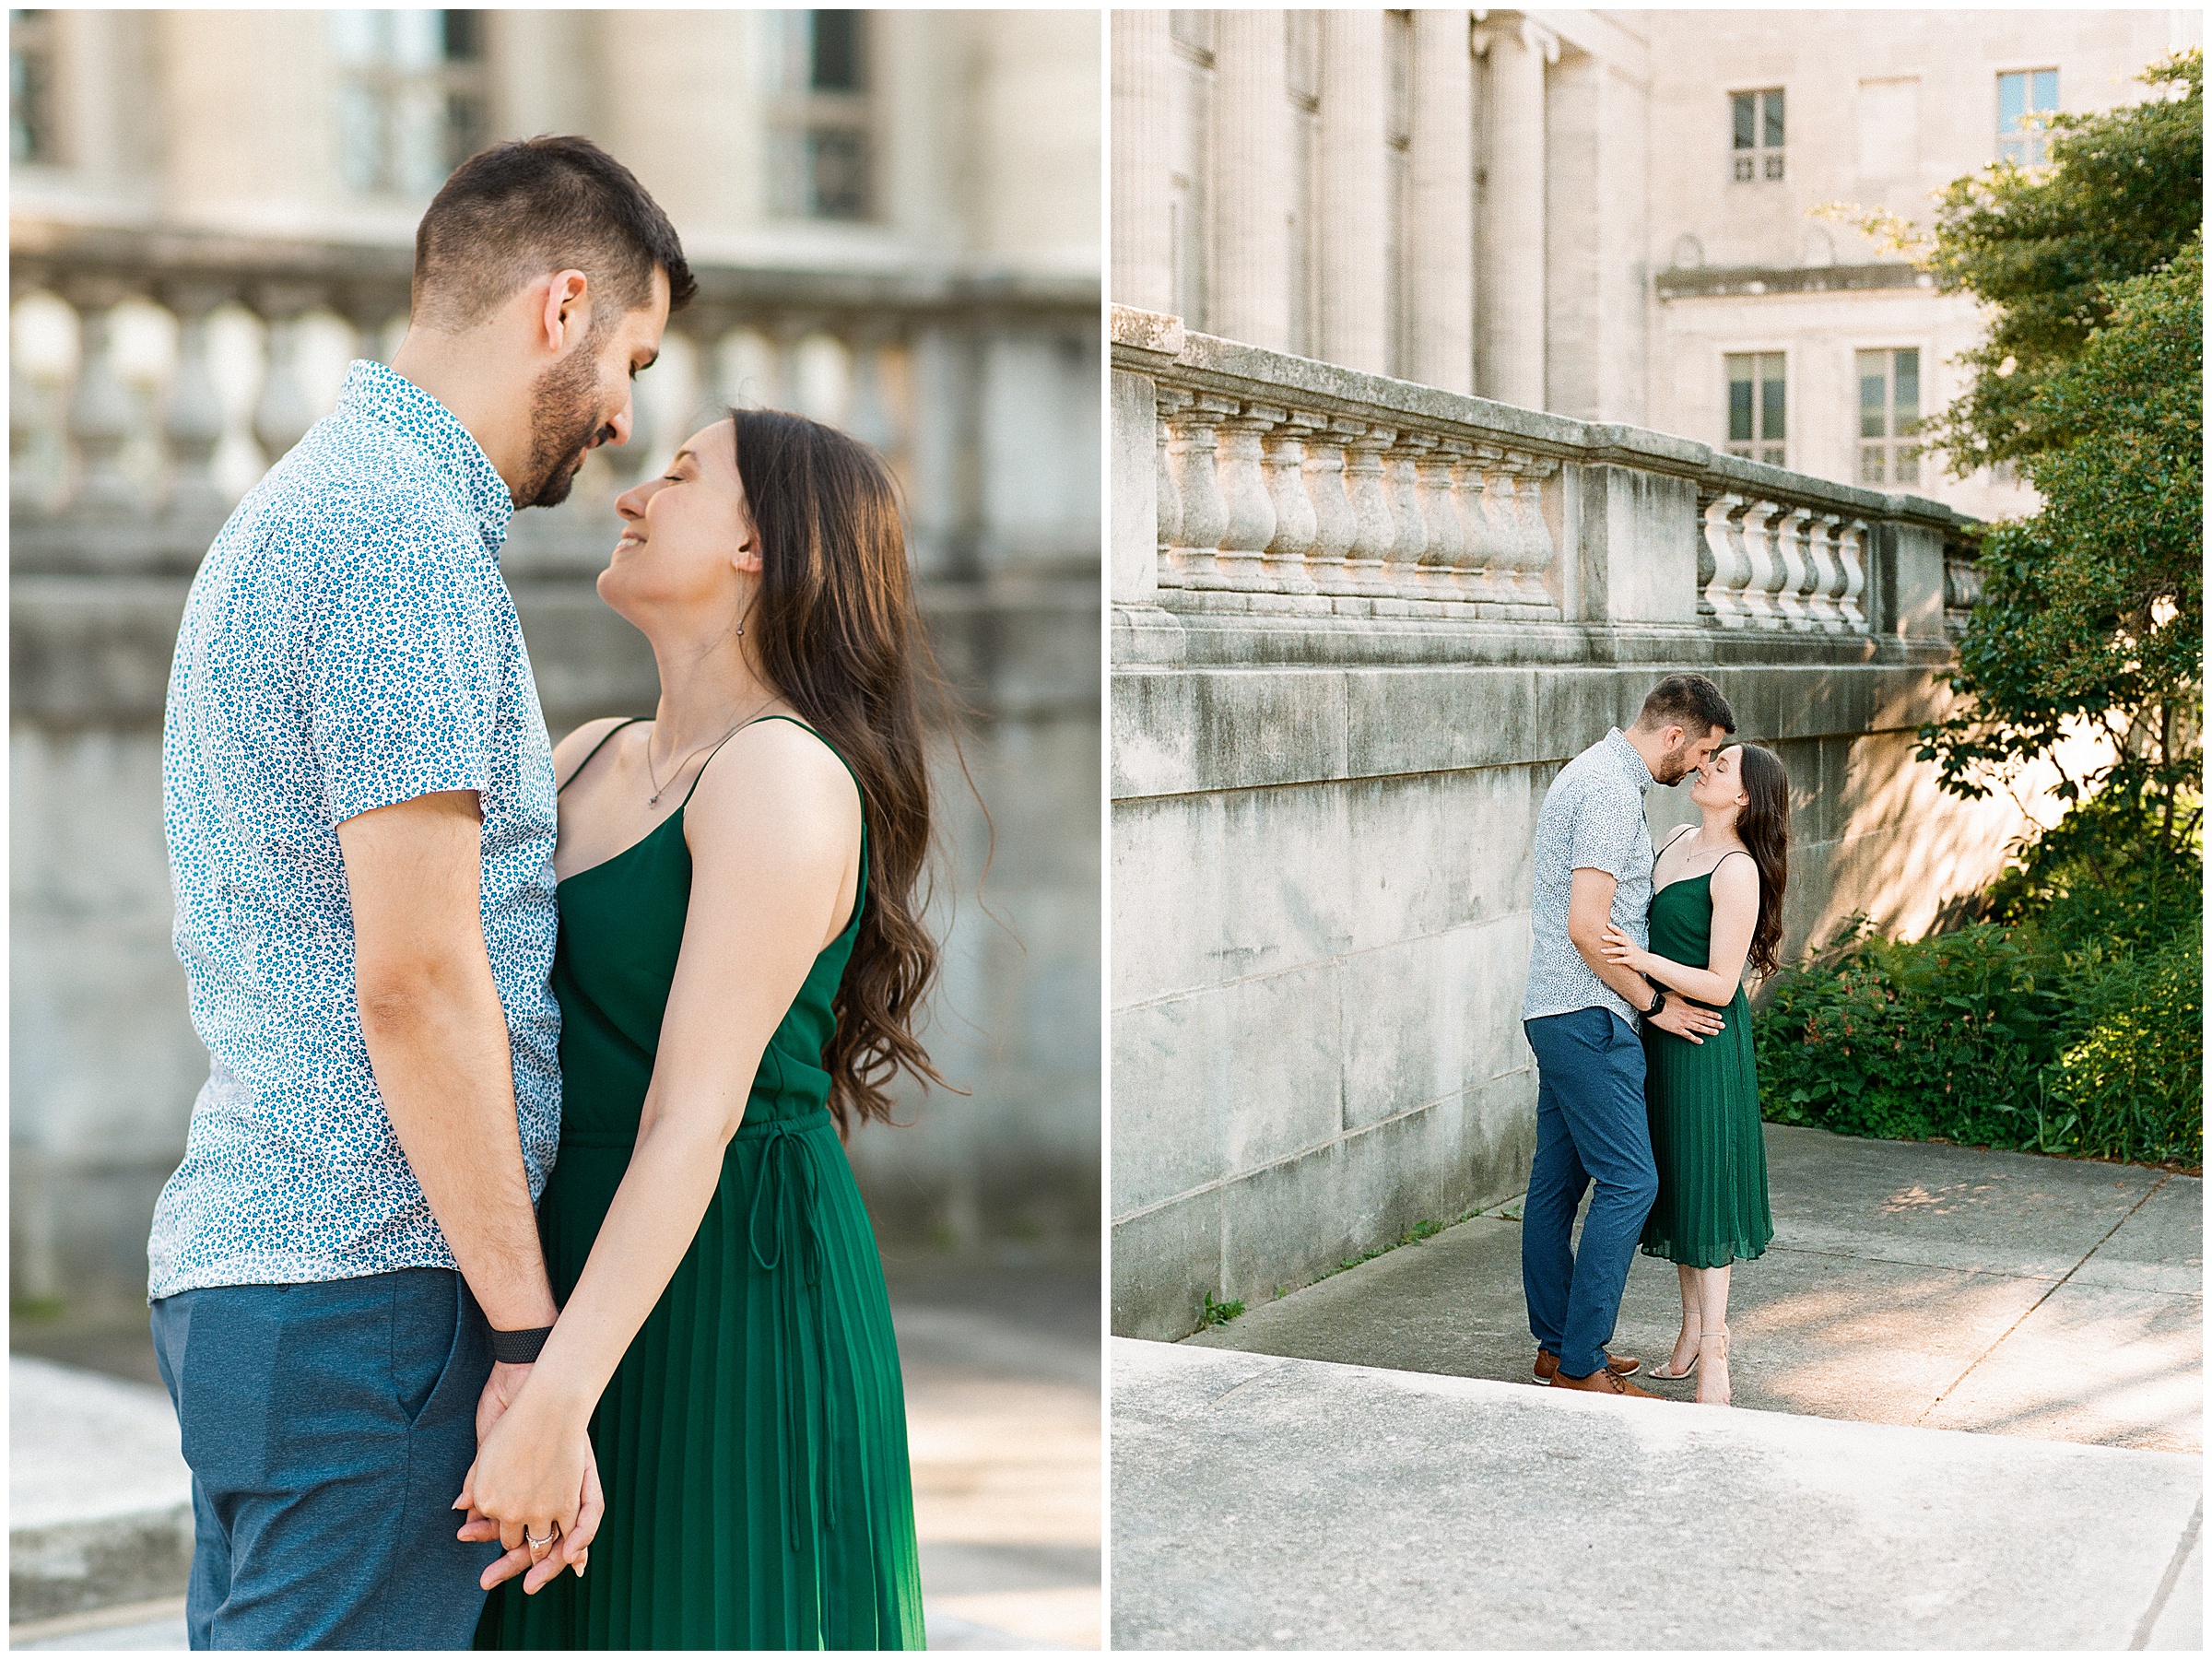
1632,986
438,1049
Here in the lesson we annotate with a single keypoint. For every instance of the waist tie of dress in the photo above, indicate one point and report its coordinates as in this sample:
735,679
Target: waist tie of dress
785,1232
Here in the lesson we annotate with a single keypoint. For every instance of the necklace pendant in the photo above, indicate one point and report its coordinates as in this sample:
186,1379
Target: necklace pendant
653,799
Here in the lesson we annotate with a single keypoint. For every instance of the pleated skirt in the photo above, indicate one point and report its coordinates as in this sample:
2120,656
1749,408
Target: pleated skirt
1706,1138
752,1443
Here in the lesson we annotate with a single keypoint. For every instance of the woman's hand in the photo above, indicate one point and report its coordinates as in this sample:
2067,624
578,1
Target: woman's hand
1619,947
534,1473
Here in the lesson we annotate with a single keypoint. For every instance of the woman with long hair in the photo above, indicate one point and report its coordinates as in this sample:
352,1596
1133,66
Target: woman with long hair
740,964
1716,904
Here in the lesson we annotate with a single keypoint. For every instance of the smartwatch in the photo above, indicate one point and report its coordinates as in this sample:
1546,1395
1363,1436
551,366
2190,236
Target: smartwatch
1658,1003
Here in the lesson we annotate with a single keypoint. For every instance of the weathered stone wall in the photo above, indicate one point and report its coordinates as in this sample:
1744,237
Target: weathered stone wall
1324,804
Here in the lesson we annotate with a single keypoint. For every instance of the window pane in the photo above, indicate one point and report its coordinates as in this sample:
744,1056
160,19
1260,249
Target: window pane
1908,465
1773,164
1746,120
1908,391
1772,456
1746,167
1871,400
2012,91
1769,405
1870,463
1739,403
1773,120
463,37
836,52
837,175
2045,89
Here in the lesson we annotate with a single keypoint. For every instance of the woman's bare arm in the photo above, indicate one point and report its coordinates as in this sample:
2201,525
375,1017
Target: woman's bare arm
1735,914
774,835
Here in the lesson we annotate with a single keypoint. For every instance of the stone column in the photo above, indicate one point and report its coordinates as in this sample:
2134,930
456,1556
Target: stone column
1511,278
1354,192
1441,208
1144,273
1250,297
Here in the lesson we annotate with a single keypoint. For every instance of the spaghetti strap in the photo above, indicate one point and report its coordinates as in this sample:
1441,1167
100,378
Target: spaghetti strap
630,721
802,726
1730,855
1674,836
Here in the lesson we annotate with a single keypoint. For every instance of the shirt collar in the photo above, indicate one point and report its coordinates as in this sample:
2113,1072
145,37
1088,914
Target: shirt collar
1633,764
376,393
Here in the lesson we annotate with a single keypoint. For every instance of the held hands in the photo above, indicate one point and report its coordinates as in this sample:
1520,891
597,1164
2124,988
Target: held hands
1619,947
534,1473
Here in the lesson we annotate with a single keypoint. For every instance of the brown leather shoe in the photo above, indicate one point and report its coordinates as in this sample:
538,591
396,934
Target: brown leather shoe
1620,1366
1603,1382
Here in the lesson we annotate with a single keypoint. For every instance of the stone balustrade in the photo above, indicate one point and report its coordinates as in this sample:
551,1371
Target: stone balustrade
1289,486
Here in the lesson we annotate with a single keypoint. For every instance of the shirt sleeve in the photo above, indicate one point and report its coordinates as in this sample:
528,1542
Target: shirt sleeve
1605,836
405,683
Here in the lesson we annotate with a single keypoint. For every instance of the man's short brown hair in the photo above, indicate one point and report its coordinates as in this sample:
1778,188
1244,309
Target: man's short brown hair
532,206
1689,702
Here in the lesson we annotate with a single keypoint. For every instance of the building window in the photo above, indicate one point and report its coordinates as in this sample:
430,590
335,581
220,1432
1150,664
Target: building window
412,98
824,155
2020,97
1757,134
1757,428
30,87
1889,417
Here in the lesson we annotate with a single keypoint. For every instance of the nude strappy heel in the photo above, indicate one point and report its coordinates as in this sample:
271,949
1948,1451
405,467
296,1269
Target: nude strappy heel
1719,1361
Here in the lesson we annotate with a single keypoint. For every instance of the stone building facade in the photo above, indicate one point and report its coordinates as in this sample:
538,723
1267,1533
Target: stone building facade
1610,215
894,217
1422,472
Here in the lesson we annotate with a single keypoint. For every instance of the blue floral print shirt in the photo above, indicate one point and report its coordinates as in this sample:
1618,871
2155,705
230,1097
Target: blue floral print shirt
1592,820
347,643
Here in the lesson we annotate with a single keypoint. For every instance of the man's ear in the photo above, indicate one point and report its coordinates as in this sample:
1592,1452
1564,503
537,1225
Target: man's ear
566,313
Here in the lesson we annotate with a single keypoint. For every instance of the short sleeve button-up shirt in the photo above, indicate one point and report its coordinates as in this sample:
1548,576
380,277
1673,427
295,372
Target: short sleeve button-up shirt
1592,820
347,644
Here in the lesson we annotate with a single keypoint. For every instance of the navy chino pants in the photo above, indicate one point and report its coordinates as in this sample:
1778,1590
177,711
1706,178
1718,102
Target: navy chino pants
329,1426
1592,1128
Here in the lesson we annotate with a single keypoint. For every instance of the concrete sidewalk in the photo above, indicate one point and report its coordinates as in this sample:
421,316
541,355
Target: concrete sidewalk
1261,1502
1908,1283
1002,1369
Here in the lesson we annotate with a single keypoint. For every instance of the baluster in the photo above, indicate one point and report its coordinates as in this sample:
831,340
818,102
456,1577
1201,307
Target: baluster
1250,523
1166,521
1824,577
1408,522
1722,594
196,420
1488,546
1375,532
1759,520
1296,522
1851,555
103,412
1335,523
872,419
282,413
1790,549
1447,545
1205,514
30,439
1537,551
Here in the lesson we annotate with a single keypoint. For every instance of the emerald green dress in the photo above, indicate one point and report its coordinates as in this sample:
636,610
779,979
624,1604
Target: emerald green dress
1703,1102
752,1443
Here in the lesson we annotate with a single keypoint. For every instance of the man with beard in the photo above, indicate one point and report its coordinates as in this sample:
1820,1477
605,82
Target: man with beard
1592,858
345,1278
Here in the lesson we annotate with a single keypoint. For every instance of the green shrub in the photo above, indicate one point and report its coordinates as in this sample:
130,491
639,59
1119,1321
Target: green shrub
2066,1021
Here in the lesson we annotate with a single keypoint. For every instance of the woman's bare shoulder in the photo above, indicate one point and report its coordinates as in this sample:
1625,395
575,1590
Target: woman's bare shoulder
569,753
777,773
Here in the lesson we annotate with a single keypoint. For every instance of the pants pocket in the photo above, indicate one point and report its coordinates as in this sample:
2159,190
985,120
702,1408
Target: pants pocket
426,1337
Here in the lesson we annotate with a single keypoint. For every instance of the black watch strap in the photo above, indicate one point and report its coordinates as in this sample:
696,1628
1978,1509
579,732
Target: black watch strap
519,1348
1658,1002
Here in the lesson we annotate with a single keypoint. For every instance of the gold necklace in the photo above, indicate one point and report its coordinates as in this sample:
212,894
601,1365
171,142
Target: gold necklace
661,789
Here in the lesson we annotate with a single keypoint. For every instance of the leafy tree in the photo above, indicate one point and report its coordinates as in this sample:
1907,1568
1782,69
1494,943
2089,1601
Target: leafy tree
2092,610
2046,248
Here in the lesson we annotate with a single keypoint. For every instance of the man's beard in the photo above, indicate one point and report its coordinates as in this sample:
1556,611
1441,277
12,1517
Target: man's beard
563,422
1674,766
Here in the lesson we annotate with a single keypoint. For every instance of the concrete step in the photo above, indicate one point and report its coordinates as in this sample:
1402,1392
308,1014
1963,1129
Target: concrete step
1268,1503
100,1500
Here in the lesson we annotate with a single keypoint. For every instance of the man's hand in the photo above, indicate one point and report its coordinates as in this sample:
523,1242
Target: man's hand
1690,1020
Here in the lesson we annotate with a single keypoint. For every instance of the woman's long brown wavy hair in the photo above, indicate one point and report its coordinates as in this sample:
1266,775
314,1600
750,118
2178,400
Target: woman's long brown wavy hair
836,631
1764,826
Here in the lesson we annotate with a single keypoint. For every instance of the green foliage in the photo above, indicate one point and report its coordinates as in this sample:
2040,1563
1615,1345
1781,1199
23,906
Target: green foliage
1219,1313
2045,249
2092,611
2065,1021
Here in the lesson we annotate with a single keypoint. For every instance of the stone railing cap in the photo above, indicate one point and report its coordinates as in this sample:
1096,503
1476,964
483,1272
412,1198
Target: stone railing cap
1150,333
